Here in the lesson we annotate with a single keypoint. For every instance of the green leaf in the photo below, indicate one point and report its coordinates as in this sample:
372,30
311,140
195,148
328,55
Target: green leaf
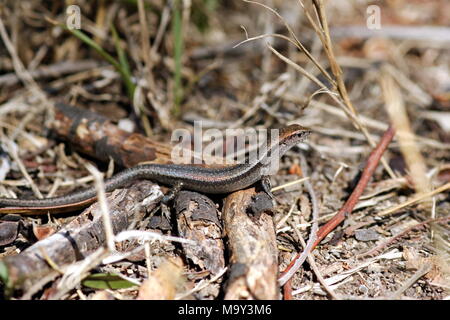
3,273
4,277
178,54
94,45
121,66
106,281
124,65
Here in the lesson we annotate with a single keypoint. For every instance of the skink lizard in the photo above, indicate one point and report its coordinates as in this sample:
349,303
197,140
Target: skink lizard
202,179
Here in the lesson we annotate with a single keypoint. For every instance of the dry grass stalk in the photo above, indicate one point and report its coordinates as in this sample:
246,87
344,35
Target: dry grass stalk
101,196
396,109
314,267
414,200
341,96
300,258
417,275
12,149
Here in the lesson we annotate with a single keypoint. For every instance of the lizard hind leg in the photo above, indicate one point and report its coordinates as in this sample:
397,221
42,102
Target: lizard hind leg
172,193
168,198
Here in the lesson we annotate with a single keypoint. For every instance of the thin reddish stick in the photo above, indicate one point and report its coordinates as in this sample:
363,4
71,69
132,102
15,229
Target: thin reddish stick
347,208
287,290
371,165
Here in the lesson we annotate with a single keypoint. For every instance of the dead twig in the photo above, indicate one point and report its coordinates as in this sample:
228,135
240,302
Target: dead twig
252,245
395,238
372,163
51,71
414,200
81,237
316,270
347,208
420,33
12,148
101,196
416,276
300,258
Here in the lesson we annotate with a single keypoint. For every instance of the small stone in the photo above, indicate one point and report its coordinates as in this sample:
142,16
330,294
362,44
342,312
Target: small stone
126,125
366,235
363,289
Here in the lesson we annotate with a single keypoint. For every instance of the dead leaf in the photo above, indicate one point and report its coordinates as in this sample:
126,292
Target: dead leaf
44,231
163,283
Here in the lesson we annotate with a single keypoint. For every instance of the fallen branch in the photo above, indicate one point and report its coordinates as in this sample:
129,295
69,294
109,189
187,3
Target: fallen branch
95,135
197,220
253,248
78,239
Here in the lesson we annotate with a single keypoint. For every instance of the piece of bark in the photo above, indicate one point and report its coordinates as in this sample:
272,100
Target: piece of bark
95,135
197,219
79,238
44,231
252,243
